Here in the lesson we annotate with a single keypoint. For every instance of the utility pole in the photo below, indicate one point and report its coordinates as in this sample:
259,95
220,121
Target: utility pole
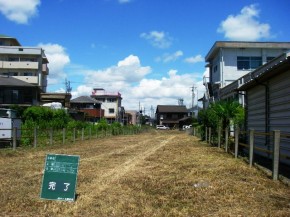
140,113
192,93
68,88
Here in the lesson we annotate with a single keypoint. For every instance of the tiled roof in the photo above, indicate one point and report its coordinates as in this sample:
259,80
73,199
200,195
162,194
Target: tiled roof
84,99
171,108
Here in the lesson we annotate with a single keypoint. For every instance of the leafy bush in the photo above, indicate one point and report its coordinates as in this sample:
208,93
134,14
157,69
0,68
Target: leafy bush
46,118
102,125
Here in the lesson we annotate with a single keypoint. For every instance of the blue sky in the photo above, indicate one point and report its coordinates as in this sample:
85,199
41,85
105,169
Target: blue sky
151,51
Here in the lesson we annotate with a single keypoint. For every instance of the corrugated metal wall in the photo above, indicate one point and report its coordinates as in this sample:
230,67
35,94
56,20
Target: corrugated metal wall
257,115
256,108
279,87
279,113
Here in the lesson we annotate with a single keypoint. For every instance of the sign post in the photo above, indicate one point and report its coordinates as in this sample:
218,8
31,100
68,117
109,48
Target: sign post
59,178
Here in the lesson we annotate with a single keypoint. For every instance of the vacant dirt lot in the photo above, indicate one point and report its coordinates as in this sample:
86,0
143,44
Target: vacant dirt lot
152,174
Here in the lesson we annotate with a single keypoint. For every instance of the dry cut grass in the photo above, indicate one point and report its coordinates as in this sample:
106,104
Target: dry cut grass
153,174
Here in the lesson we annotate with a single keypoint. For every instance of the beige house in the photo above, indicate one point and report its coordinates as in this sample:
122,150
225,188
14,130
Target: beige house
111,104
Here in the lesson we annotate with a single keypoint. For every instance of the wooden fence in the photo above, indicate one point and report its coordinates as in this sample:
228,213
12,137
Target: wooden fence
222,139
36,137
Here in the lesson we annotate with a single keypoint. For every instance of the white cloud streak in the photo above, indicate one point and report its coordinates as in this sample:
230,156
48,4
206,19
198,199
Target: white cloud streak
19,11
245,26
157,39
170,57
194,59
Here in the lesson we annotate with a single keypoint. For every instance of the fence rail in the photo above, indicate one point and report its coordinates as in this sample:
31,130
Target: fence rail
37,137
221,138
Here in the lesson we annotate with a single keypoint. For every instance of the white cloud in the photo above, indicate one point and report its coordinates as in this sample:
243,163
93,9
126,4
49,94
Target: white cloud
164,91
157,39
127,70
245,26
19,11
170,57
58,59
195,59
128,77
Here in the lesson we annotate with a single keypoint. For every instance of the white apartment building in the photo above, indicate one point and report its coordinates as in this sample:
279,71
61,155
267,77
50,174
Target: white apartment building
28,64
111,104
229,60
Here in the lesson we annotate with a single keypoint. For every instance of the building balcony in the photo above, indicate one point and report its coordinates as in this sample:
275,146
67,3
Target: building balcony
93,112
45,69
18,65
28,79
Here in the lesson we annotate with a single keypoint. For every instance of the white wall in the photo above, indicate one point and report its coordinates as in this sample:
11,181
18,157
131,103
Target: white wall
229,66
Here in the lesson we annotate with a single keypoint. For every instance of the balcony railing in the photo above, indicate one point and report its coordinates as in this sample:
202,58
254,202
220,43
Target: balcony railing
28,79
18,65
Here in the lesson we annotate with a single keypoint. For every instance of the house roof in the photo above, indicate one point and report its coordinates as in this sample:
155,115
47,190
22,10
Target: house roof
85,99
274,67
171,109
244,44
10,81
15,41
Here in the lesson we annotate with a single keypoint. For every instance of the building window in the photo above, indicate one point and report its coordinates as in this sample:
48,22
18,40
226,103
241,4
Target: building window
28,59
13,59
248,63
13,73
215,68
111,111
28,74
270,58
111,100
14,96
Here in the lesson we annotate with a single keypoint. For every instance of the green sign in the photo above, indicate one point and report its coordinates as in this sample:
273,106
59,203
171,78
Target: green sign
60,176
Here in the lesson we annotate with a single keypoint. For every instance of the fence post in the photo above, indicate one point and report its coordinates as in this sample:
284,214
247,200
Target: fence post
35,137
83,134
63,136
205,134
74,134
219,136
251,148
226,139
209,135
236,141
14,137
50,136
276,154
90,133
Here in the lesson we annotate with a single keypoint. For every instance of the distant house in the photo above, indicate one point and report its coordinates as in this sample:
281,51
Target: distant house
89,106
170,115
111,104
132,117
268,102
